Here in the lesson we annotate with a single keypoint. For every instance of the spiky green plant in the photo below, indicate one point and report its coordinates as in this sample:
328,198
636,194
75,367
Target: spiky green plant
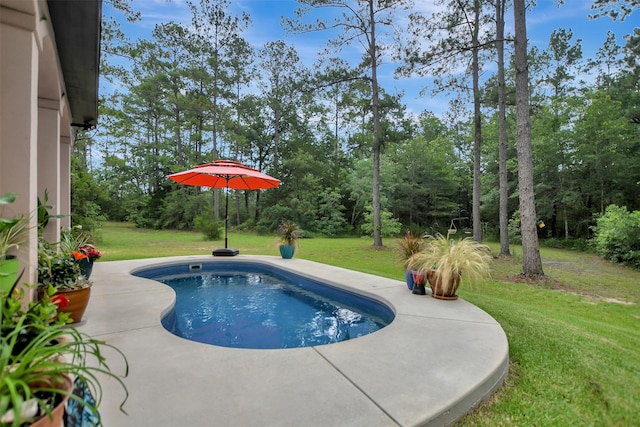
408,246
13,231
289,232
39,348
452,261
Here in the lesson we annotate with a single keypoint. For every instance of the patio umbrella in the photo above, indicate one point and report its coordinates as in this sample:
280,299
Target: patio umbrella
225,174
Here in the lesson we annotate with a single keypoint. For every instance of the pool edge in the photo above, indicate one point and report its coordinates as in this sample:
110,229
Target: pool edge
419,310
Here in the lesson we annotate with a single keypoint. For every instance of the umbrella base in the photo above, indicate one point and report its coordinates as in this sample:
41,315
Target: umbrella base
225,252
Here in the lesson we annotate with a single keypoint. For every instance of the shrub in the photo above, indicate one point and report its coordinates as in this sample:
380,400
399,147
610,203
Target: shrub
88,197
617,236
389,226
271,218
207,225
418,230
515,234
572,244
248,225
329,219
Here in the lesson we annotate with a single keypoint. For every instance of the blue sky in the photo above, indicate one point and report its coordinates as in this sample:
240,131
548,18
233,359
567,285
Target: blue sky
266,14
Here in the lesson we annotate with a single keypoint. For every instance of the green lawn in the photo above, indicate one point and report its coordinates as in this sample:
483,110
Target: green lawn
574,336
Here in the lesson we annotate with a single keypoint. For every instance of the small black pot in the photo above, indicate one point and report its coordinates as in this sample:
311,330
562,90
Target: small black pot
418,289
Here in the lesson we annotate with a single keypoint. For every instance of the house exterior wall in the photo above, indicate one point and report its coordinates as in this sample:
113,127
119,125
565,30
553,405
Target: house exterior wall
35,130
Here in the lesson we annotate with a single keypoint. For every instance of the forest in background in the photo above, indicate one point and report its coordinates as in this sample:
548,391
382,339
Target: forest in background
196,93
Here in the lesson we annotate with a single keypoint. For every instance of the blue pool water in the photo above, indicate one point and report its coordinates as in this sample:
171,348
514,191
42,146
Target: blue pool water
250,305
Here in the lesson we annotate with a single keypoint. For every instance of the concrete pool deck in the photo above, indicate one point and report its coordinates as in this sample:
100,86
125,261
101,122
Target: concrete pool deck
430,366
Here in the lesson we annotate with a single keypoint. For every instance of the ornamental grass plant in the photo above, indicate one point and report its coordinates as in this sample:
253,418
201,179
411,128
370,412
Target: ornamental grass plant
452,262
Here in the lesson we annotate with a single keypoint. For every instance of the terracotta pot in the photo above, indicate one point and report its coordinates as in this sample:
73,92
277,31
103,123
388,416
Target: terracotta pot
437,290
58,412
78,301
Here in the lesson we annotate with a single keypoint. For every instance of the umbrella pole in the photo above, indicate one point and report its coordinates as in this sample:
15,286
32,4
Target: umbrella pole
226,251
226,217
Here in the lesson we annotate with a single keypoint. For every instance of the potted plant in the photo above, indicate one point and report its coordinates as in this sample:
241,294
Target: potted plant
406,248
445,263
13,232
86,264
75,240
42,356
289,234
59,269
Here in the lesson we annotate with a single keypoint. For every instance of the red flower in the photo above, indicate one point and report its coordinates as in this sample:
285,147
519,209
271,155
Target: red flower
90,251
78,255
60,300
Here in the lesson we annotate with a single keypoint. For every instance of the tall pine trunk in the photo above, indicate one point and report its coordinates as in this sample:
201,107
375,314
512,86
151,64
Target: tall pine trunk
531,262
377,138
503,179
214,136
477,116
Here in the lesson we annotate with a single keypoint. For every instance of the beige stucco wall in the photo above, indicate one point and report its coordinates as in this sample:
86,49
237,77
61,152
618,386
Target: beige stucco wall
35,131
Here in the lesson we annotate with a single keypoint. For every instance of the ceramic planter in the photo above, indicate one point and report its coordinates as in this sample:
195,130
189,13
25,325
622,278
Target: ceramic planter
408,277
86,267
287,251
418,283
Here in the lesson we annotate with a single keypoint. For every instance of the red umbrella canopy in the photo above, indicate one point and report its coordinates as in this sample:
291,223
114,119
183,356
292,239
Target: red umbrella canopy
225,174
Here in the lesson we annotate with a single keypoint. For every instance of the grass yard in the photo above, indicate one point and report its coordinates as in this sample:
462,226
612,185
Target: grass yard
574,335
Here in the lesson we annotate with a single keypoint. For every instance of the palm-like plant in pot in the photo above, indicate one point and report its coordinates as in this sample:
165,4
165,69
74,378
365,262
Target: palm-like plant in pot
446,263
41,358
289,234
13,232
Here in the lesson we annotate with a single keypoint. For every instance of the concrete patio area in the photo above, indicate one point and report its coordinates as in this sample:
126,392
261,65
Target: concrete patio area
436,361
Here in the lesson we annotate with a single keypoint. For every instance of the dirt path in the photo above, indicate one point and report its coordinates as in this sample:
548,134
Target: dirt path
579,273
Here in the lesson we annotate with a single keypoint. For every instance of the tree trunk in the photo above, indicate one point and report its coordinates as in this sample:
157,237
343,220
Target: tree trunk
179,145
377,140
257,216
214,137
532,263
237,204
246,203
503,178
477,118
276,136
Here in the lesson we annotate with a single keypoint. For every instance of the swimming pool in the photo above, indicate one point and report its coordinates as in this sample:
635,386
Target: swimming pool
249,305
369,381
